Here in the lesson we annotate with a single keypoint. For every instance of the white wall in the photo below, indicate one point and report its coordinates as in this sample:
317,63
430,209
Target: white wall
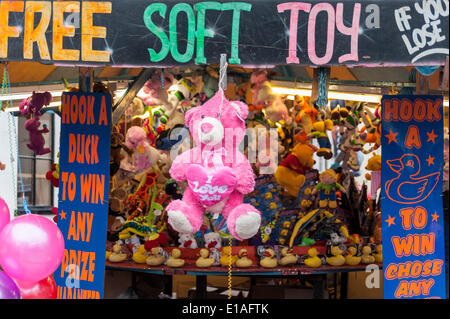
57,134
8,186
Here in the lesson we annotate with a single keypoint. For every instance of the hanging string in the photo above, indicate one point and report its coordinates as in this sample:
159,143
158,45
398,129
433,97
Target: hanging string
12,129
222,79
223,72
229,269
162,78
322,99
4,85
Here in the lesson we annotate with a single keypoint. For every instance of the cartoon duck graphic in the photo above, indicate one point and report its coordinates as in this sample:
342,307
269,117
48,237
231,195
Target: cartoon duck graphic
407,188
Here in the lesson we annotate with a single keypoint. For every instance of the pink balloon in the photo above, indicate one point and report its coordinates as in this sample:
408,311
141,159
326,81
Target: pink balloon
4,214
31,248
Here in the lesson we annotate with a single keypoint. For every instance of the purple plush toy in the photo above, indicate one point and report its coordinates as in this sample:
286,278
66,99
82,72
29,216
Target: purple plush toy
36,139
33,104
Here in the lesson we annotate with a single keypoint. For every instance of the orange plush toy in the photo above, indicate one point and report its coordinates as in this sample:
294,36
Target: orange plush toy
307,115
290,173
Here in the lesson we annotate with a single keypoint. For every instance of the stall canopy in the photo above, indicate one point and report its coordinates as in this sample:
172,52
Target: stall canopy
137,33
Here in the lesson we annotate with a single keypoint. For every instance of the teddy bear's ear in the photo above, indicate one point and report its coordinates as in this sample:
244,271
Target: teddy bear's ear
188,116
241,109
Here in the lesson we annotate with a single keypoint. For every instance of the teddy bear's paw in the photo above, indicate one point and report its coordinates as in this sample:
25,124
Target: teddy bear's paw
247,225
179,222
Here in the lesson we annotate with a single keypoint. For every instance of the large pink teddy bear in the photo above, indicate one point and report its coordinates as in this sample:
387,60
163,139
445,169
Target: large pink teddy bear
218,174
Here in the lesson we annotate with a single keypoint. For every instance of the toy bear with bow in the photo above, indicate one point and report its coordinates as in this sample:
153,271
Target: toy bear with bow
218,174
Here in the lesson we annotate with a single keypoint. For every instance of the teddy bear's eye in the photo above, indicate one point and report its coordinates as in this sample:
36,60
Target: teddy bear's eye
203,116
218,115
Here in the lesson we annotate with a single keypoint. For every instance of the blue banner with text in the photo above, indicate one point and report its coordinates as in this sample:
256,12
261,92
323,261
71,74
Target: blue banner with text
411,197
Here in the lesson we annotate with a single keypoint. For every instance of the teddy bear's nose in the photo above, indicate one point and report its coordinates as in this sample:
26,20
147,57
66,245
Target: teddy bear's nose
206,127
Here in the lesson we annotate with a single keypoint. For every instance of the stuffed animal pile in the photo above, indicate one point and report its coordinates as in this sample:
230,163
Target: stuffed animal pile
194,168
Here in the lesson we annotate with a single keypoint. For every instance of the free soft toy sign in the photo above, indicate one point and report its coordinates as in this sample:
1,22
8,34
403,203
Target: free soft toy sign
136,33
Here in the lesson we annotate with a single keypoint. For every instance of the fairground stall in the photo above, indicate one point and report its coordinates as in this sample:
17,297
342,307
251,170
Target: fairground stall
237,149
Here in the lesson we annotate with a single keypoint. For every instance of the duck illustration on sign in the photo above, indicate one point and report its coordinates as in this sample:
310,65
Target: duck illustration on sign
407,187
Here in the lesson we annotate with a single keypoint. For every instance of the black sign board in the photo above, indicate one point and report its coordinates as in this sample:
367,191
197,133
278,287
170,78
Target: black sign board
144,33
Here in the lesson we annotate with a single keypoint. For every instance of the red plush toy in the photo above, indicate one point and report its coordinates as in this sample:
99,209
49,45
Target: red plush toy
55,212
53,175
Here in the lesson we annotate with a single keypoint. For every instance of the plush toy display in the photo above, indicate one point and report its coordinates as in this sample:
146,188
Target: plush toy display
202,177
218,174
290,173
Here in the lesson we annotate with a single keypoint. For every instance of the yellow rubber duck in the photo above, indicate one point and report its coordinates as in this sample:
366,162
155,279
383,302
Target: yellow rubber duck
288,257
175,261
116,256
379,255
337,259
155,259
313,261
268,260
140,256
226,257
203,261
351,259
366,257
243,261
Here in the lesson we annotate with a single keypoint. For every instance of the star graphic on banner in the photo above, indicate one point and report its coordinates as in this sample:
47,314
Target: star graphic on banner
431,136
391,136
435,217
390,220
430,160
63,215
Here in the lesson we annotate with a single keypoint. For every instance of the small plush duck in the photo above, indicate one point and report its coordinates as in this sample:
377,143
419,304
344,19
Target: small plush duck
351,259
313,261
227,257
288,257
117,256
268,260
203,261
243,261
175,261
337,259
379,255
366,257
155,259
140,256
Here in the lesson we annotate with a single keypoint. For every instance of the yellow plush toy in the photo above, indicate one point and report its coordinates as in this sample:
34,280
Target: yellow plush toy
374,166
319,133
290,173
